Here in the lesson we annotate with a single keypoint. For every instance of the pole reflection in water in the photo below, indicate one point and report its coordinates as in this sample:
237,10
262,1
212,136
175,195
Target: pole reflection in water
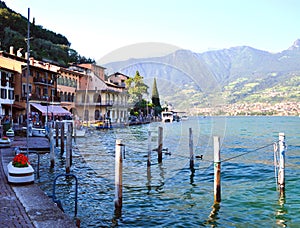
281,211
148,184
213,216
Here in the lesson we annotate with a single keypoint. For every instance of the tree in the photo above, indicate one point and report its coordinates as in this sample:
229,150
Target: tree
155,99
136,88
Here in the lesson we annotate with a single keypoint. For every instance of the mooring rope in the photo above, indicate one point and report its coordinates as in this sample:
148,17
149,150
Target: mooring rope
276,162
259,148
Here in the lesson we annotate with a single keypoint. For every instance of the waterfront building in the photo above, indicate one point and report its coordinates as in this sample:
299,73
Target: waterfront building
82,91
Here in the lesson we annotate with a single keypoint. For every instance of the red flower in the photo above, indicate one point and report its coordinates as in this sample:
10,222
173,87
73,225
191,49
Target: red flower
20,160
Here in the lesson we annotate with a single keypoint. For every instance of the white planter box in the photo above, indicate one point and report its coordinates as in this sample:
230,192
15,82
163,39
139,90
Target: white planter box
20,175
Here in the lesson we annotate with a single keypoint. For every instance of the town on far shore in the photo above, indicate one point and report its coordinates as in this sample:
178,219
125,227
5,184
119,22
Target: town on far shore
246,109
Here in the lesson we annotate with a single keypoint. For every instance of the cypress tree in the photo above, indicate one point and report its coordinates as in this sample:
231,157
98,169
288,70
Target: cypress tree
155,99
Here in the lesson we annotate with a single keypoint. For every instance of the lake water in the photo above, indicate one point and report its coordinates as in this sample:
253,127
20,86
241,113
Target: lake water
170,194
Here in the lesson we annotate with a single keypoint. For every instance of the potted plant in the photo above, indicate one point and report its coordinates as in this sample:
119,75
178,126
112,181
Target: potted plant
20,170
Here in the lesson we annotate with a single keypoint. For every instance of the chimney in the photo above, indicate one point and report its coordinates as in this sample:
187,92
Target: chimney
48,66
11,50
19,54
31,60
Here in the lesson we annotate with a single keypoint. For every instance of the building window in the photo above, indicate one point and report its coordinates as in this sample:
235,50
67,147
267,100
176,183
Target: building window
86,115
3,93
97,114
3,79
45,92
10,94
24,89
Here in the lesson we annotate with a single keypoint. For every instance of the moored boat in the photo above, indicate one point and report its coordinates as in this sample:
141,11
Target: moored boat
167,117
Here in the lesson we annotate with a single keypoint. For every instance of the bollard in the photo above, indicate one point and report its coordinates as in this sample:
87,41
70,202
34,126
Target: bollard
160,144
191,146
281,181
217,170
62,137
149,149
52,155
118,175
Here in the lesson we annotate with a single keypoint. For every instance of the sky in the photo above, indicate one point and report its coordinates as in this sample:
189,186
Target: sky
97,28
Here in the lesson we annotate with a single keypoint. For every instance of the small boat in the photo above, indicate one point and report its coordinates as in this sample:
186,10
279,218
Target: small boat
167,117
39,132
5,142
184,118
10,132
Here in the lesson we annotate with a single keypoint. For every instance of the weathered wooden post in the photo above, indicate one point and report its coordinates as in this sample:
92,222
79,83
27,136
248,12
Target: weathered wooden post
62,137
70,129
118,175
56,133
68,149
281,181
217,170
149,149
191,147
75,133
52,155
160,144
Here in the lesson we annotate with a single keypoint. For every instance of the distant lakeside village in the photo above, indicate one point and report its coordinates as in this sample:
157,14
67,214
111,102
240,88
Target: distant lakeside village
247,109
84,93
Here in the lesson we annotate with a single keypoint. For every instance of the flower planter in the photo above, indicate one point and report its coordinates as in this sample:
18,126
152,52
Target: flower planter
5,142
20,174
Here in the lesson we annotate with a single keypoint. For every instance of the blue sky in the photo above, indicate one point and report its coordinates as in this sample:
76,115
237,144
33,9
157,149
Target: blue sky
96,28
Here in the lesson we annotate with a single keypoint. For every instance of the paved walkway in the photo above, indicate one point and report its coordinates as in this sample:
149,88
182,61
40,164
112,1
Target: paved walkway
27,205
12,212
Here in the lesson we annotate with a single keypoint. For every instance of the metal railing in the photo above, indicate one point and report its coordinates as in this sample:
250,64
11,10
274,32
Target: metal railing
58,202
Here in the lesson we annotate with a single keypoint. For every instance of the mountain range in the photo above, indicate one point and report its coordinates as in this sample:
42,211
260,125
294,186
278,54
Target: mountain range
240,74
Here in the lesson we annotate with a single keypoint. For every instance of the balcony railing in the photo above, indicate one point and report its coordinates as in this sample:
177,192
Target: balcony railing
35,97
93,103
43,81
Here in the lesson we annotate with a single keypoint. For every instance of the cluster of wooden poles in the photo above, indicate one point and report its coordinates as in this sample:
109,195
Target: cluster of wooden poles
119,164
60,136
217,165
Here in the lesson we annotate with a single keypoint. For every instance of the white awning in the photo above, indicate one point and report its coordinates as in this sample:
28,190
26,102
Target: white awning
56,110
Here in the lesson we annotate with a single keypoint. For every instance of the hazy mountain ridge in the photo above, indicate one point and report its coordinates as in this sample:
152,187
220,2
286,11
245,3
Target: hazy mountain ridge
235,74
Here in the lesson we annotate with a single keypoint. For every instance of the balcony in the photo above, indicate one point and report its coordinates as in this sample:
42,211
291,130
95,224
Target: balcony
43,81
94,103
35,97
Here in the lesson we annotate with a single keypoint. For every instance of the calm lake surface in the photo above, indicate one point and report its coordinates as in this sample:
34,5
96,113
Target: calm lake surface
170,194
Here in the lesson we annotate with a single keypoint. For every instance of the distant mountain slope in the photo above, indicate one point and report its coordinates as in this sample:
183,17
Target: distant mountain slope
229,75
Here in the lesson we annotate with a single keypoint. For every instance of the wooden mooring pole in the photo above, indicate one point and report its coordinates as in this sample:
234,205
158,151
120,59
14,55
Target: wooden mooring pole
149,149
118,175
52,154
281,181
217,170
62,137
68,148
160,144
191,147
56,132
